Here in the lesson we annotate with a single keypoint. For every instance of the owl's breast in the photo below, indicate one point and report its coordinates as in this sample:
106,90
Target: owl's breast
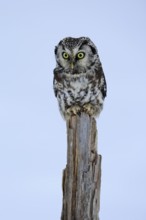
79,90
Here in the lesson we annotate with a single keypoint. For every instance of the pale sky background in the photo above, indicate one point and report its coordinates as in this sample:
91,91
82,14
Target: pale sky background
32,132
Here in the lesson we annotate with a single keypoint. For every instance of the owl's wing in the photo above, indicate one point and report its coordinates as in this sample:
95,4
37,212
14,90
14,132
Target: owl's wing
102,81
104,86
57,80
55,87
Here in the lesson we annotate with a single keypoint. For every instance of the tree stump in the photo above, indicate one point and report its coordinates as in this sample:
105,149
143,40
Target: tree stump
82,175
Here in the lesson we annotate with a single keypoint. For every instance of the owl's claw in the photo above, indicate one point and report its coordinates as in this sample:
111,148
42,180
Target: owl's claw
89,109
73,110
79,113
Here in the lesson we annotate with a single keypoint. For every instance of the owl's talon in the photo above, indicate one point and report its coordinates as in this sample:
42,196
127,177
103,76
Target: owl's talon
73,110
89,109
79,113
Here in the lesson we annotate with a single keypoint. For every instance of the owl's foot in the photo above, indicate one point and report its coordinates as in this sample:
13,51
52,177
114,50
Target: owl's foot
89,109
73,110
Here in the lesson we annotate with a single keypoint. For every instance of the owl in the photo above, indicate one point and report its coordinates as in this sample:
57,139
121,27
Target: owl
79,82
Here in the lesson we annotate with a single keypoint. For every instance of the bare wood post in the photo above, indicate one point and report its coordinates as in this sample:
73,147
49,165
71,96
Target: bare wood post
82,175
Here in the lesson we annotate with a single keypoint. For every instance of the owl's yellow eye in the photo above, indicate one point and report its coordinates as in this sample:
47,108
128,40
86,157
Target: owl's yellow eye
80,55
65,55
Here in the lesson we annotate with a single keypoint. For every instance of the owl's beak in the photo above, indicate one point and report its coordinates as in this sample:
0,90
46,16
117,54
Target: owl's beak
72,66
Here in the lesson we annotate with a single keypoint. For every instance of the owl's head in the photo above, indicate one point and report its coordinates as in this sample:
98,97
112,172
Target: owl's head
76,53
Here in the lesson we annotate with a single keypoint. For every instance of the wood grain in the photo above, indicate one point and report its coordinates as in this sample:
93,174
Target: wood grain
82,175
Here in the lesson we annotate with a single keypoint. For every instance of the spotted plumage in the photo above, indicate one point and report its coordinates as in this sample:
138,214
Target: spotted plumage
79,81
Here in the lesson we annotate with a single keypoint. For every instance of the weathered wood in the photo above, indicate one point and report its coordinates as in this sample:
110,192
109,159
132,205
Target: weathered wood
82,175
